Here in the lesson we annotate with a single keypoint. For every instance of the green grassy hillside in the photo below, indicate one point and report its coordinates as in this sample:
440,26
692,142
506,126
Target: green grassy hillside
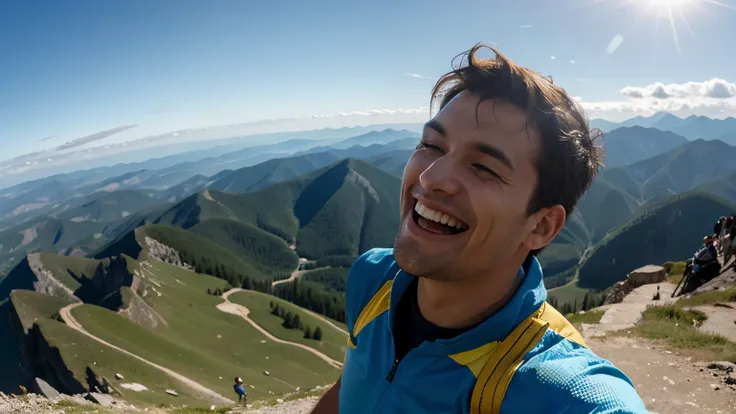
80,352
672,230
32,306
344,209
203,343
269,254
227,249
333,342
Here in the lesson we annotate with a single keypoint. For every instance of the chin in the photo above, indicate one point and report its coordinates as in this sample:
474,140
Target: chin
410,258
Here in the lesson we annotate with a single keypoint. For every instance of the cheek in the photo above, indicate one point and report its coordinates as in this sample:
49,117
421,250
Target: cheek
414,167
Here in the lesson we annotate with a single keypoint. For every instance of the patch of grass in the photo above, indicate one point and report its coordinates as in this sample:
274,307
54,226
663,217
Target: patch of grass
675,271
32,306
203,343
706,298
333,343
587,317
677,327
569,293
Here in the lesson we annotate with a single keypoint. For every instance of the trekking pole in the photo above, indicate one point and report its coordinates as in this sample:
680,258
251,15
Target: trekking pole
685,280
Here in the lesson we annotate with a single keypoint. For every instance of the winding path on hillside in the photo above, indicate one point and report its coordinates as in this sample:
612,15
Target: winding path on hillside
242,311
297,274
66,316
315,314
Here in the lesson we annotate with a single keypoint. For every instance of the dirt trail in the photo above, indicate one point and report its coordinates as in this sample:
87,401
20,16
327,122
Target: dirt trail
242,311
297,274
667,381
626,314
721,319
66,316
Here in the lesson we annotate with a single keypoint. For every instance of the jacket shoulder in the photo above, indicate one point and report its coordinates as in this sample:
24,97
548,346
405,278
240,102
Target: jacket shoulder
569,378
366,276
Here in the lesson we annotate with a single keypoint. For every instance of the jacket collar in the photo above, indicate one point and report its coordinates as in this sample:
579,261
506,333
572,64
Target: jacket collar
529,296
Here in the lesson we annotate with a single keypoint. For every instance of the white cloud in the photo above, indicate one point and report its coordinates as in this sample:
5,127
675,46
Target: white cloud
572,61
552,57
527,26
713,97
416,75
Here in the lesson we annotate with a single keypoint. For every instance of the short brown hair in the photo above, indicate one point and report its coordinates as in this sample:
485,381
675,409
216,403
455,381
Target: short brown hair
571,157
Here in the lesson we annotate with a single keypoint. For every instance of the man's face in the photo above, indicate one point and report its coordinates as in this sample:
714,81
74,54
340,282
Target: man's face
477,177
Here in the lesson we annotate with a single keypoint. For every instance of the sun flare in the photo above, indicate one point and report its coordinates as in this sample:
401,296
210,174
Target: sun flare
675,13
671,3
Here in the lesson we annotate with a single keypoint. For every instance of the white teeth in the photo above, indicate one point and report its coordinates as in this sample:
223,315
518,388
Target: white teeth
451,222
438,217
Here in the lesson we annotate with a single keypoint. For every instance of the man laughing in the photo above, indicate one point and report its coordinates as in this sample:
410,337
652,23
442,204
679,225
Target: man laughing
453,319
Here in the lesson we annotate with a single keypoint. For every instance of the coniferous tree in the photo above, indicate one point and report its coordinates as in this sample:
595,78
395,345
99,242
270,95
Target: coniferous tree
289,320
297,323
308,333
317,334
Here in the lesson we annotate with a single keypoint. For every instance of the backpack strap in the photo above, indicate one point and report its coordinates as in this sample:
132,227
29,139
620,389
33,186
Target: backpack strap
495,377
378,304
506,358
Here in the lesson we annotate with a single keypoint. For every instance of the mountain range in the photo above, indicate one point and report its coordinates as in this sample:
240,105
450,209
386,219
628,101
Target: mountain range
692,127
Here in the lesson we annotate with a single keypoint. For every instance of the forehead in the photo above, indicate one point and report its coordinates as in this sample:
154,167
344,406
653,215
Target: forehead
494,122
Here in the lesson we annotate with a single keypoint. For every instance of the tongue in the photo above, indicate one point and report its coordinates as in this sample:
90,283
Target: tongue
433,226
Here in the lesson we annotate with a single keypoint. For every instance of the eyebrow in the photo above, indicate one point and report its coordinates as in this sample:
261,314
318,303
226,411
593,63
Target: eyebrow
436,126
480,147
495,153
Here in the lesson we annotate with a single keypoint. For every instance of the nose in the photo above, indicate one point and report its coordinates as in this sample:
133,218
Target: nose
441,176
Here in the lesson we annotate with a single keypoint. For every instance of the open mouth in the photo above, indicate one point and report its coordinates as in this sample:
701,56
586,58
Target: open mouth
437,222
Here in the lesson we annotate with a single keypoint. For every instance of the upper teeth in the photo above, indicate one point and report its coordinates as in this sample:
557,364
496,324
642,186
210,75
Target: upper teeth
438,217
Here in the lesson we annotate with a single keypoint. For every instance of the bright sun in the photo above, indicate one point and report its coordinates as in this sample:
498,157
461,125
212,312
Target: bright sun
671,3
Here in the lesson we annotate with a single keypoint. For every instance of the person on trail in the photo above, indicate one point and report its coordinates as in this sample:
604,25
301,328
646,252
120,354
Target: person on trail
718,227
240,390
454,318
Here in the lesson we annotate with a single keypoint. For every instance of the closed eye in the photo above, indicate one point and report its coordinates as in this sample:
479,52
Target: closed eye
487,170
426,145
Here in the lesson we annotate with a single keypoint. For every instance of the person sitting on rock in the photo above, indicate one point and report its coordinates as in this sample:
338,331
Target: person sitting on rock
240,390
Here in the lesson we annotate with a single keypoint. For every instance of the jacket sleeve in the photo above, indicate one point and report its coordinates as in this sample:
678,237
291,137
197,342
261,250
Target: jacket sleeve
572,381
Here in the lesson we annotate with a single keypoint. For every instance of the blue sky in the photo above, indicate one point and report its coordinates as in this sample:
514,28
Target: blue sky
74,68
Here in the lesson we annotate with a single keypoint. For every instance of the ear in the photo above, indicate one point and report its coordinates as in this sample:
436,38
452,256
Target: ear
549,221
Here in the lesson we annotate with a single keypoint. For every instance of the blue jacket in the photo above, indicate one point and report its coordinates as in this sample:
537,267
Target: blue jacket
526,358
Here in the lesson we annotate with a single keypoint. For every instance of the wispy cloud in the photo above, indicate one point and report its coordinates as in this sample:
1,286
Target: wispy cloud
94,137
527,26
572,61
552,57
416,75
46,139
614,44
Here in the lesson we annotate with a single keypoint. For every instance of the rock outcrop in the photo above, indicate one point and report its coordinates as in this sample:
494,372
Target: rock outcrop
162,252
642,276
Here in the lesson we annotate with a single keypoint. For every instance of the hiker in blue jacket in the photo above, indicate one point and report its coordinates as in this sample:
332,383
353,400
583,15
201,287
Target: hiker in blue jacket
453,319
240,390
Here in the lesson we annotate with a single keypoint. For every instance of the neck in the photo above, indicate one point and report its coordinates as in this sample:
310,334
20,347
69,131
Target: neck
468,301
